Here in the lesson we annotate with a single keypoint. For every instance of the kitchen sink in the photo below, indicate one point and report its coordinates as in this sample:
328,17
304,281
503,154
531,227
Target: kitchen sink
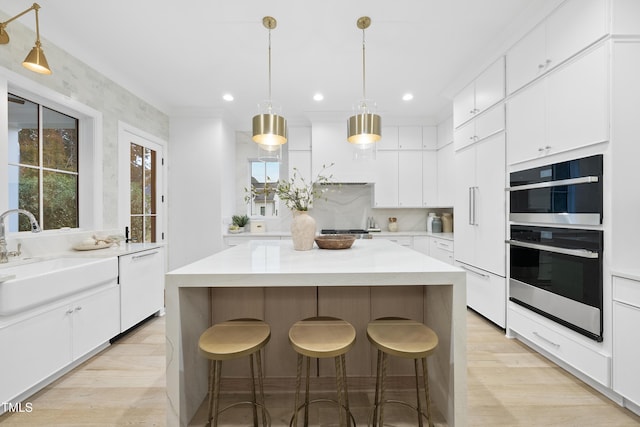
46,280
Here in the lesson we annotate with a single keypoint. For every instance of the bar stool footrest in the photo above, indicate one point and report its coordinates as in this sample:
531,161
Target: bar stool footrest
398,402
335,402
260,406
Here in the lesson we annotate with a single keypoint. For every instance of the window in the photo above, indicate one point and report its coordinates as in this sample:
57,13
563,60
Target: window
263,173
43,165
143,194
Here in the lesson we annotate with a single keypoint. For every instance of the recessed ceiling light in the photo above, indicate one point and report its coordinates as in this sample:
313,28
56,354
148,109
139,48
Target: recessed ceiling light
227,97
407,97
318,97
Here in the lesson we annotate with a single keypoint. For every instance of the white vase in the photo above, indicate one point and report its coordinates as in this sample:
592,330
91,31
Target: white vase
303,231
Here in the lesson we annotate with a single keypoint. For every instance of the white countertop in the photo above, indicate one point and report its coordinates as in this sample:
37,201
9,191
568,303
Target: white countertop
386,234
368,262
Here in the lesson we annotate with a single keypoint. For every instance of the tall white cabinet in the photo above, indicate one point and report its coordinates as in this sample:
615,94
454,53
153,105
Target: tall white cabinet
479,195
480,224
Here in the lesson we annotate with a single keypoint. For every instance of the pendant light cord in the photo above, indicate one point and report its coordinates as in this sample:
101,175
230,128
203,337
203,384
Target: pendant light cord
270,70
364,92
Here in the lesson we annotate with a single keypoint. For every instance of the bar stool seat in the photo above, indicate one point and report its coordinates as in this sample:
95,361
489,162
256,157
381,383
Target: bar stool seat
407,339
229,340
323,337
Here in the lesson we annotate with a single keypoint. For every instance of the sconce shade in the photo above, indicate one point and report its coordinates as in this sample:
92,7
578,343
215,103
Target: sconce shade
364,128
36,61
269,130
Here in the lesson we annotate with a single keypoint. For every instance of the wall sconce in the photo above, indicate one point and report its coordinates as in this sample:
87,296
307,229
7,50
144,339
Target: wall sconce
35,60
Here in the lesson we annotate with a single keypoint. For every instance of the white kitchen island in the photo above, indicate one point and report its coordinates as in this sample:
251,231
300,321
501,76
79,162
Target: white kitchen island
368,266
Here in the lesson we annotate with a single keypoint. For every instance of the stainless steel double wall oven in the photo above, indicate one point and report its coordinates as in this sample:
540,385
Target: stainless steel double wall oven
556,247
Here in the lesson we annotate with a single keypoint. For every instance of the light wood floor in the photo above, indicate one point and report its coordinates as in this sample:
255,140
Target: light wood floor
509,385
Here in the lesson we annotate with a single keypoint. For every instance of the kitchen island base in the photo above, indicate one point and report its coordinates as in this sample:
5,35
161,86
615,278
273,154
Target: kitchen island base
380,279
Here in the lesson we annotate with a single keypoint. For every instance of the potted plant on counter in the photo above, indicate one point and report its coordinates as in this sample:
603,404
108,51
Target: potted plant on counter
298,195
238,223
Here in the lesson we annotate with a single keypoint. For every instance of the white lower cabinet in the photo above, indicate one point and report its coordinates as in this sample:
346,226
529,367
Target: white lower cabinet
441,249
141,278
561,343
37,347
626,346
486,294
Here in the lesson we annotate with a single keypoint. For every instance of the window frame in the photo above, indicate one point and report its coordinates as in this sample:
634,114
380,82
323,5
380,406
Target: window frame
276,199
90,178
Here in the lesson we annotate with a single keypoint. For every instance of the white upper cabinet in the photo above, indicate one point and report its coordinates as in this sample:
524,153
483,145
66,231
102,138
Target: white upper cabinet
389,140
410,179
430,138
330,146
568,109
486,90
575,25
446,176
445,132
385,190
485,125
299,138
410,138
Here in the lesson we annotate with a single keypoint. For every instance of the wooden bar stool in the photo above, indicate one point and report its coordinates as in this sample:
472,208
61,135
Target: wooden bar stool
231,340
322,337
408,339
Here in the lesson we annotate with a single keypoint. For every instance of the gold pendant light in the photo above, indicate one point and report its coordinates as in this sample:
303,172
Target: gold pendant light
269,128
35,60
364,127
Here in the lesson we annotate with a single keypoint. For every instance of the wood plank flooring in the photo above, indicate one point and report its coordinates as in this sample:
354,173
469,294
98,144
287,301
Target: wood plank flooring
508,385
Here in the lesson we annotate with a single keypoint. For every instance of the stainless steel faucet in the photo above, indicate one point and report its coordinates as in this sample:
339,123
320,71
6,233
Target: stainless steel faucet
35,228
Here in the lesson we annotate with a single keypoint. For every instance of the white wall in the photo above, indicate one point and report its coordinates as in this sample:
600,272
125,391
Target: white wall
201,191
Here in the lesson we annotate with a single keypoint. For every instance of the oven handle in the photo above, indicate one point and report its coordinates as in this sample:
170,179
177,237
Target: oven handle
547,184
583,253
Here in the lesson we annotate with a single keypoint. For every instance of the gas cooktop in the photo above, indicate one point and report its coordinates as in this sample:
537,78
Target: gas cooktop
343,231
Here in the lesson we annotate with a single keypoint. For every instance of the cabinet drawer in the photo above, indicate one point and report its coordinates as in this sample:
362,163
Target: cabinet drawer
400,240
441,244
582,358
486,294
626,291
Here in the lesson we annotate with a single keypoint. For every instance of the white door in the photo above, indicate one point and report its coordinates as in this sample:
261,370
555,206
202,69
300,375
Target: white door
141,187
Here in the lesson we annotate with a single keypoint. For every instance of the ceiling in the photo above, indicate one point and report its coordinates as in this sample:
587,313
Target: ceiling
185,55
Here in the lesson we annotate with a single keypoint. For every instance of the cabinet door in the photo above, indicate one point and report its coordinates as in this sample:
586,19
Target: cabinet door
386,182
410,179
32,350
410,137
464,107
490,218
301,160
330,146
141,286
490,86
464,236
577,103
430,139
526,124
389,140
299,138
446,176
430,177
464,135
573,26
526,59
490,122
96,319
626,351
445,132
